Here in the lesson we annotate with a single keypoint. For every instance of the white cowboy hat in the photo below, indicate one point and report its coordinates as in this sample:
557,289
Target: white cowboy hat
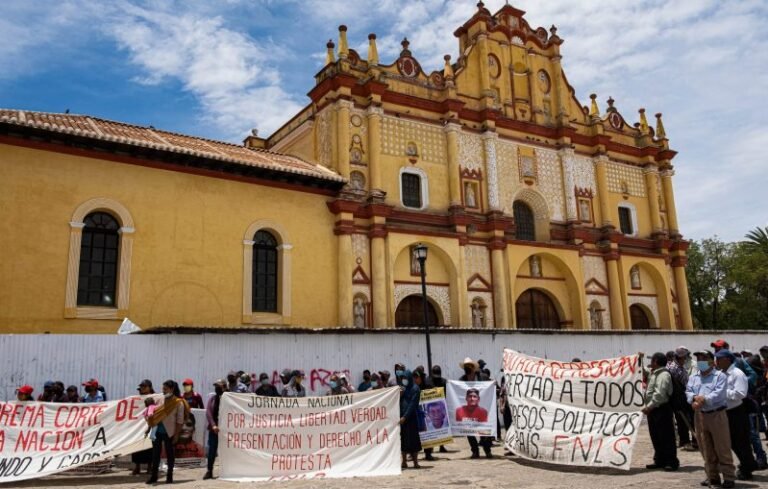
469,361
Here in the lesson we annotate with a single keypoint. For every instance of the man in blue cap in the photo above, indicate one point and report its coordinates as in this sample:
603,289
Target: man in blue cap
738,417
707,393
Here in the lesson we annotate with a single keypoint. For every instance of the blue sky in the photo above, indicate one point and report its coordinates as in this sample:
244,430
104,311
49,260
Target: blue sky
219,68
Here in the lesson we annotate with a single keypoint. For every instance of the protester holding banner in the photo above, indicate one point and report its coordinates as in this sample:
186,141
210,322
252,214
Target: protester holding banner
212,415
410,442
24,393
706,391
658,409
265,388
143,456
336,387
168,418
472,373
294,387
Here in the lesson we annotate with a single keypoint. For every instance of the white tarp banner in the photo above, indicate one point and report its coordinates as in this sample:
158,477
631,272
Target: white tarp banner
472,408
39,438
584,413
273,438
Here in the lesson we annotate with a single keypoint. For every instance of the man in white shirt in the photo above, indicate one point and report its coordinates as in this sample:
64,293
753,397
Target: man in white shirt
738,418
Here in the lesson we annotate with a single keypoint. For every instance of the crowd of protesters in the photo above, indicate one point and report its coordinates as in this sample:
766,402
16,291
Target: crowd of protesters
713,401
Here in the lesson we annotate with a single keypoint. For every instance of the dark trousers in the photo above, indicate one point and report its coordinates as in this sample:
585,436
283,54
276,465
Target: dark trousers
485,442
741,445
213,448
170,455
662,428
685,430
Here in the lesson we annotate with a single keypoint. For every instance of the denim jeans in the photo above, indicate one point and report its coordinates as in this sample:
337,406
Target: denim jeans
213,448
754,436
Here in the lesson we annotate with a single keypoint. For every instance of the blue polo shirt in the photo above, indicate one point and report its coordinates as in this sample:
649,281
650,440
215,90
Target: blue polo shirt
712,386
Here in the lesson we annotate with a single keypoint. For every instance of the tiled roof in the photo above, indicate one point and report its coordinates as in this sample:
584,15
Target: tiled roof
119,132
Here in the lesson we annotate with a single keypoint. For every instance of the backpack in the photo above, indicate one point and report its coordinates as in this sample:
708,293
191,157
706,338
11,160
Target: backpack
677,400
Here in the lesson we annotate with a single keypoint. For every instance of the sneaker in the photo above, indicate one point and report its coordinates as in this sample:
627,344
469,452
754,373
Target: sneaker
429,457
728,485
711,483
688,447
671,468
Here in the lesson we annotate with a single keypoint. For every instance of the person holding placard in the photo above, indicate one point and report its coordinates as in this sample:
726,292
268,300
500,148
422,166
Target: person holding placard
472,373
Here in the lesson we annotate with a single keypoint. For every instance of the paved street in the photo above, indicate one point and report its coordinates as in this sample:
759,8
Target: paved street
451,470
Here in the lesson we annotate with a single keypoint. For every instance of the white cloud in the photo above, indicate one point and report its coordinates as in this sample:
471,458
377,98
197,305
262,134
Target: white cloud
230,73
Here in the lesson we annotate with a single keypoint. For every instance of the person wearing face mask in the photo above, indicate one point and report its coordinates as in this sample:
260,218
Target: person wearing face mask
24,393
399,373
212,415
265,387
144,456
410,442
366,383
736,411
169,419
294,387
472,373
658,409
337,388
194,399
707,393
92,392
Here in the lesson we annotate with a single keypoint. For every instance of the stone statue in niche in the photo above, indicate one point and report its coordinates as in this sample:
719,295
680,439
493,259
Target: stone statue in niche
535,264
595,317
469,195
634,277
415,266
478,315
357,180
359,312
411,149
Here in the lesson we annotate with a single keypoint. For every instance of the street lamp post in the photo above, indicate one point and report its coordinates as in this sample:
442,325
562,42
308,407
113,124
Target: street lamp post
420,252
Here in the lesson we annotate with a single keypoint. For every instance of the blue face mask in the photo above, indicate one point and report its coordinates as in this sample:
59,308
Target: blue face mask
333,384
264,381
399,373
703,366
405,382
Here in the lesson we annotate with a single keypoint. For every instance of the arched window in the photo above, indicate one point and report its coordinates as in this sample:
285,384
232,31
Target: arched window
535,310
97,279
524,226
638,319
264,272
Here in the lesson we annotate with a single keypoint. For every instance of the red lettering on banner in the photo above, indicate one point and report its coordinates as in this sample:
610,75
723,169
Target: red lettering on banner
127,409
2,440
49,441
77,416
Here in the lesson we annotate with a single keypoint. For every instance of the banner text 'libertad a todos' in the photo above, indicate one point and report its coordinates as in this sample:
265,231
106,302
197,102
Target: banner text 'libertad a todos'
582,413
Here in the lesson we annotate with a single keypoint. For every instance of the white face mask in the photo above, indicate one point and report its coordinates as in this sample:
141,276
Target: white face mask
169,395
405,382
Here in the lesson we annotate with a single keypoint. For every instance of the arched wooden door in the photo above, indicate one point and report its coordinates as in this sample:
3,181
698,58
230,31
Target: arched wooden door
638,318
410,313
535,310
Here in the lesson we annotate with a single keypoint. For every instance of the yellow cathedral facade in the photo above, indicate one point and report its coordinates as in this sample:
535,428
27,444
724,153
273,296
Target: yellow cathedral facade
538,212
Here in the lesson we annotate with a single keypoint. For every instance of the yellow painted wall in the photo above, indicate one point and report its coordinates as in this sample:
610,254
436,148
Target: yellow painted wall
187,265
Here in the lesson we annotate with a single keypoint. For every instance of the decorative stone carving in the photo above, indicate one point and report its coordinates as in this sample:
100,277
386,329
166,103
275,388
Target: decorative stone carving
634,278
478,312
469,195
550,182
623,178
360,251
566,160
534,264
440,294
428,138
594,268
477,261
489,146
358,313
584,173
325,135
470,151
507,171
601,317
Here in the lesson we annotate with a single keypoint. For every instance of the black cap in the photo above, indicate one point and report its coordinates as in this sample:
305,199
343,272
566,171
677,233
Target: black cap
145,383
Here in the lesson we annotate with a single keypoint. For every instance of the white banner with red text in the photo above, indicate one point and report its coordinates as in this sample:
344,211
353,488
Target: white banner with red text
472,407
283,438
573,413
39,438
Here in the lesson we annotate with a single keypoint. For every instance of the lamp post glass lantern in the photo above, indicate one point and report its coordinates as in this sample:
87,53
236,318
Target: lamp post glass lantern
420,253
